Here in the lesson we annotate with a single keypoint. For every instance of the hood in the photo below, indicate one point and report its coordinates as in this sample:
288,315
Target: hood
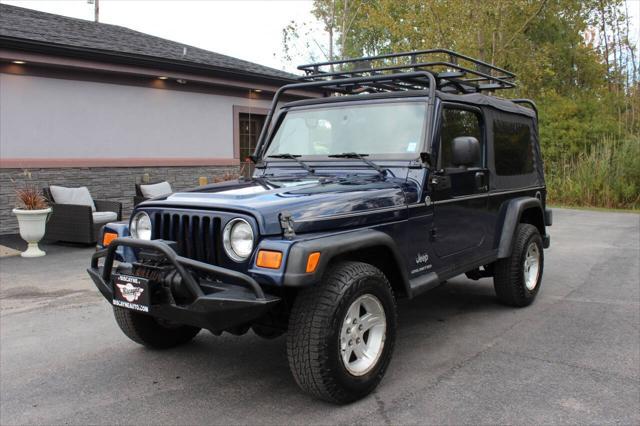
314,203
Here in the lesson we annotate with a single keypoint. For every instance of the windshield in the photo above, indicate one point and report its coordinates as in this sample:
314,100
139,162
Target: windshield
383,128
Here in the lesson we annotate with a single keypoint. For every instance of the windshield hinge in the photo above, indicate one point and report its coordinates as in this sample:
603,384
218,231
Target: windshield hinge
426,159
286,223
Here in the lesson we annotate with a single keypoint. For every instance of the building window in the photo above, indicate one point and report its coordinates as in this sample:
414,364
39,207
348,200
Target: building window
513,148
250,126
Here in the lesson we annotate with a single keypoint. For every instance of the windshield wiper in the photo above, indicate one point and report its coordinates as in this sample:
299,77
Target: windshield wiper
296,159
370,163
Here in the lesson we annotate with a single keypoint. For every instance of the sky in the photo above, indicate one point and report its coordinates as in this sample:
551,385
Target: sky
250,30
245,29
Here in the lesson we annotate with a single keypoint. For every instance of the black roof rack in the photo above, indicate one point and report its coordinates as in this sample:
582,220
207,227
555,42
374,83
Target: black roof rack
453,72
430,70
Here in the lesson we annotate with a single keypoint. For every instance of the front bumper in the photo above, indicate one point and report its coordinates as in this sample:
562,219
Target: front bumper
233,299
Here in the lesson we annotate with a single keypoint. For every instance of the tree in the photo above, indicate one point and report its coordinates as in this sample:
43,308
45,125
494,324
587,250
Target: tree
335,18
574,57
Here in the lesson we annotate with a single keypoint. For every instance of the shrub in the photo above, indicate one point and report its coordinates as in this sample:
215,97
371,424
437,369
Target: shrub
30,198
27,196
607,175
225,177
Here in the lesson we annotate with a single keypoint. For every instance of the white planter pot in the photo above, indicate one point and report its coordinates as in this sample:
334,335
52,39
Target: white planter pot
32,226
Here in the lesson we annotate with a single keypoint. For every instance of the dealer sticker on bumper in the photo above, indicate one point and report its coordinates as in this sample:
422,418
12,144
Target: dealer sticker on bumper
131,292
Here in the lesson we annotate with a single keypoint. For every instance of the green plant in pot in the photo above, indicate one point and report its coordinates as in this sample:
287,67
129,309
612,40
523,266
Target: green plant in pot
32,211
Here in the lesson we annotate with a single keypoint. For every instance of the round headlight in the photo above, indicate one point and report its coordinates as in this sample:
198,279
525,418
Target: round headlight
237,239
141,226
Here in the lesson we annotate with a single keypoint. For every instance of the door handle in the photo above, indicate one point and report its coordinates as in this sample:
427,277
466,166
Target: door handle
440,182
436,177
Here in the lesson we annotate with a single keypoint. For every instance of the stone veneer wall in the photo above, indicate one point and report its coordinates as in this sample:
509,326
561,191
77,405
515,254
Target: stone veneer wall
104,183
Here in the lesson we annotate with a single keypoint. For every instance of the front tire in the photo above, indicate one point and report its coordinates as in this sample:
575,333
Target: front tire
149,332
517,279
342,333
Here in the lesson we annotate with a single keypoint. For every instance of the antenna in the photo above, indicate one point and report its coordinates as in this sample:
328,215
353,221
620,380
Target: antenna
96,9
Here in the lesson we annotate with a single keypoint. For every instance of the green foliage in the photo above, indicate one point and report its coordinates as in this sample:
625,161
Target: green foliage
571,125
573,57
607,175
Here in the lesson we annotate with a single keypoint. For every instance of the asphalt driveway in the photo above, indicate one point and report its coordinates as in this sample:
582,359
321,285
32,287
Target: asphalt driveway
461,358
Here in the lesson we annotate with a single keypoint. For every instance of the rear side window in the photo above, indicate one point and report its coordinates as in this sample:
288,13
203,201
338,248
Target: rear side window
513,148
458,122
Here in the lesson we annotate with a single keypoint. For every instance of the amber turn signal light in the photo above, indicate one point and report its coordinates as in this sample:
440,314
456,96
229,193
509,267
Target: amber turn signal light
312,261
269,259
108,237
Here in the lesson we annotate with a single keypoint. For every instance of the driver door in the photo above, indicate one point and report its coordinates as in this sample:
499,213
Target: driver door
459,192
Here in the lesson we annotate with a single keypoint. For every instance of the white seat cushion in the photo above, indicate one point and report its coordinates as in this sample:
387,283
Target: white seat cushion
104,217
79,196
156,190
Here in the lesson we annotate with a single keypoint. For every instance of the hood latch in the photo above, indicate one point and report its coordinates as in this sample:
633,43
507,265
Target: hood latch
286,223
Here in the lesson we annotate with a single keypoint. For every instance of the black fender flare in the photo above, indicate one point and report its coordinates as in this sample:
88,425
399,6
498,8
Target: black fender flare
335,245
511,218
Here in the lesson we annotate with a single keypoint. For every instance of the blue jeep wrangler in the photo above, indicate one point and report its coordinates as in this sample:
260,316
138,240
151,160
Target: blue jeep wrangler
404,172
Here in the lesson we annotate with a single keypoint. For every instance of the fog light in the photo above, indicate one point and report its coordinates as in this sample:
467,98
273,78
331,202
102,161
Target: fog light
269,259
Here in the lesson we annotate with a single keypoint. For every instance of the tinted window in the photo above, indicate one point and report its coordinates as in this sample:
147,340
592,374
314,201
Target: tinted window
458,122
513,149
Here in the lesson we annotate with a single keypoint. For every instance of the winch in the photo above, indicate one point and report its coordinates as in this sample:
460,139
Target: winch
157,269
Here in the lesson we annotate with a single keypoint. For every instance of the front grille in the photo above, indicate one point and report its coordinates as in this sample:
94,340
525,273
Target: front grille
196,235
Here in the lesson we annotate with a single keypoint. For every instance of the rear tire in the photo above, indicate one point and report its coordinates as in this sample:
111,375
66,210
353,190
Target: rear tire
147,331
517,278
342,333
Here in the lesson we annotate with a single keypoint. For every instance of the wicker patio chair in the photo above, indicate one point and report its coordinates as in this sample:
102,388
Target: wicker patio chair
79,223
146,191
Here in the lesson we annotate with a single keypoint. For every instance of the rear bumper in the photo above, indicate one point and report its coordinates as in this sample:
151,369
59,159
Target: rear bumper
548,217
233,299
548,221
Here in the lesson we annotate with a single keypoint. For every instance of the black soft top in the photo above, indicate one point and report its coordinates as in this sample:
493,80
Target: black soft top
480,99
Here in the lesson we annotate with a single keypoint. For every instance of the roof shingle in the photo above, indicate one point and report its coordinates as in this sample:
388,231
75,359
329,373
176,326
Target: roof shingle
56,30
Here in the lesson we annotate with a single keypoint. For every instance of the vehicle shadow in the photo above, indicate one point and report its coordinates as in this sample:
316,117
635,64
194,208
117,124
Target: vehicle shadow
453,298
217,375
226,371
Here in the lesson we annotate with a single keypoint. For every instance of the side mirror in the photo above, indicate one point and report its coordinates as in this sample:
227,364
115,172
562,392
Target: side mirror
465,151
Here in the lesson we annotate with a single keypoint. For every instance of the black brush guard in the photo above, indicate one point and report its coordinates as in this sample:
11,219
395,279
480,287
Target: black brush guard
234,300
